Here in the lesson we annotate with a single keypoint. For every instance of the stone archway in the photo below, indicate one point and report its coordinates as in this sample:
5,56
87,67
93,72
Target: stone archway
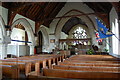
86,19
3,47
29,30
45,47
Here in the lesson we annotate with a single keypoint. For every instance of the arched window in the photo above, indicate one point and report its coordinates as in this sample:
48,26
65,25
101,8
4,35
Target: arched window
79,33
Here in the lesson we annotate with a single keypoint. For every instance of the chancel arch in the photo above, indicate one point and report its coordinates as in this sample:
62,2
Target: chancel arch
84,18
78,38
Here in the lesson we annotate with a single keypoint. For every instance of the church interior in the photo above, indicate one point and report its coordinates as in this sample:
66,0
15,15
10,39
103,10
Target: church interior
60,40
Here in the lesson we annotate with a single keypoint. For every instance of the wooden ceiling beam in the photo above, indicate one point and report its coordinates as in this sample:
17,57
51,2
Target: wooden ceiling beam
101,8
13,11
54,10
91,5
40,7
97,13
25,10
41,13
29,11
49,9
53,13
35,11
6,5
11,16
14,8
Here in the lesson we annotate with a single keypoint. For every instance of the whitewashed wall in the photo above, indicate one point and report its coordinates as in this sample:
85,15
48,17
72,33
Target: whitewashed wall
17,34
54,44
18,50
63,36
51,45
114,42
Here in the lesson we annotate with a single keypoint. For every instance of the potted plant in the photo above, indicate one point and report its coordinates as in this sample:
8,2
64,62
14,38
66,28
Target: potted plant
90,51
106,50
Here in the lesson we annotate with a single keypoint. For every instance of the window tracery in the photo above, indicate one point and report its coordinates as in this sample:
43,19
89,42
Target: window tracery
79,33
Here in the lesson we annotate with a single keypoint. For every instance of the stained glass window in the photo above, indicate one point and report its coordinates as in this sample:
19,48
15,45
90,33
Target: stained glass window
79,33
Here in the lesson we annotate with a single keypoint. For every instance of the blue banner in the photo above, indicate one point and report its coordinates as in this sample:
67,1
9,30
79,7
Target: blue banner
102,30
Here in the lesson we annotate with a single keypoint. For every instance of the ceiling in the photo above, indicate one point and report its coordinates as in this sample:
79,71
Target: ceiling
36,11
103,7
45,12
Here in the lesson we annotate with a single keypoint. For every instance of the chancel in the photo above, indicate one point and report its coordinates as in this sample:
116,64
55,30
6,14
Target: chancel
59,40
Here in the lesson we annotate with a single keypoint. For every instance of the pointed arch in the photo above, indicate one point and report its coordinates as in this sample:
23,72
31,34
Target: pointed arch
28,29
45,34
62,21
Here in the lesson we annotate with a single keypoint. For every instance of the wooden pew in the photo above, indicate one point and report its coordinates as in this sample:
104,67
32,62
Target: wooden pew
88,68
10,71
78,74
23,67
34,77
90,64
78,61
27,63
47,62
94,58
97,73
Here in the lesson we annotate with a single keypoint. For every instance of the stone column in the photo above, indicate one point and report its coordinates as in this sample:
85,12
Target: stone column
60,45
119,37
0,73
3,51
31,49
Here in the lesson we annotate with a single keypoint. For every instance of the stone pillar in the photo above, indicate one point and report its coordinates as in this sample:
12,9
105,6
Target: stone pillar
119,37
66,46
3,51
60,45
0,61
63,46
0,73
31,49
